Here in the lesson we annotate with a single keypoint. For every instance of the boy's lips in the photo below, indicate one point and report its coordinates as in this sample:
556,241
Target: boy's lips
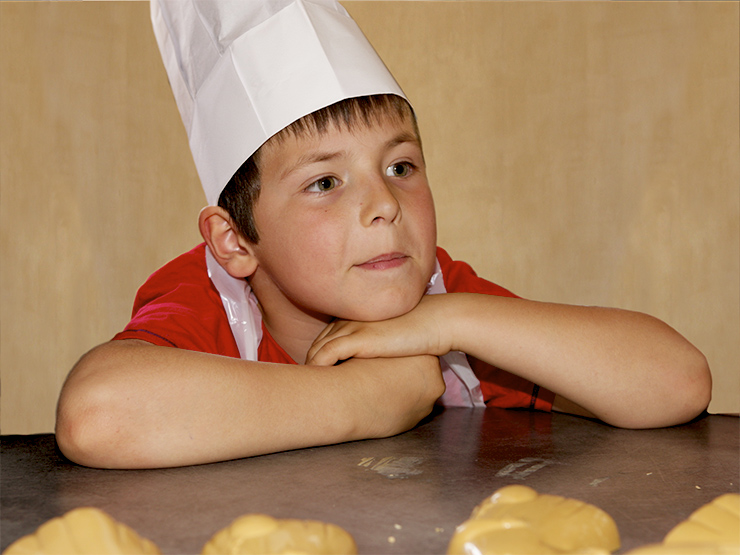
384,261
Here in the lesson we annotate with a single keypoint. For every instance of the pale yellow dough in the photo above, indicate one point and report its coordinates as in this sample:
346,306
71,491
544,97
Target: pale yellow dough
260,534
516,520
83,531
713,529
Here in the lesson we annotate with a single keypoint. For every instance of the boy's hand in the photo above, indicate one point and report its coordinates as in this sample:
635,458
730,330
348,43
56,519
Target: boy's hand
422,331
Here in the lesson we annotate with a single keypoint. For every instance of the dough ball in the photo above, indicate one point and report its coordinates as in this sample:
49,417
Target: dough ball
716,522
516,520
713,529
261,534
83,531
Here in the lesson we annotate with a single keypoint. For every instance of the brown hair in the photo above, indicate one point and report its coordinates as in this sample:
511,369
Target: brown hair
242,191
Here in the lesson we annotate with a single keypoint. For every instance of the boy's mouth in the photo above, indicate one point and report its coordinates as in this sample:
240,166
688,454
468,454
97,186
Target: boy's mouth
384,261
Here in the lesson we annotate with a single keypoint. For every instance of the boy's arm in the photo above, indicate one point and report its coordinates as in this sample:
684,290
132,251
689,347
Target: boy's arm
626,368
130,404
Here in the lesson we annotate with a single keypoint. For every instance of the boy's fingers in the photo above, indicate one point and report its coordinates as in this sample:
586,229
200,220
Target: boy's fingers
319,342
326,331
343,343
325,351
324,354
311,355
320,361
332,328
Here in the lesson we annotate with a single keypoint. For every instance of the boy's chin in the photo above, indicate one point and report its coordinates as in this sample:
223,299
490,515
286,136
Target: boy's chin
380,311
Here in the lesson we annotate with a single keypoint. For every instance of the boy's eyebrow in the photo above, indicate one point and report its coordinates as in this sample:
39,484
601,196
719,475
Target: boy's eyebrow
323,156
403,137
308,159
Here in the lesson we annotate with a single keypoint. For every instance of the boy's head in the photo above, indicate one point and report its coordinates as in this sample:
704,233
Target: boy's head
333,217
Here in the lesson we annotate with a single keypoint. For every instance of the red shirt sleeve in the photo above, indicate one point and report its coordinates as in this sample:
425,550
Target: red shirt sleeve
500,388
178,306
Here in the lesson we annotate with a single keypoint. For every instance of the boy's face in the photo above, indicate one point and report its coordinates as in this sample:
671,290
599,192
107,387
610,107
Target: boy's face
346,223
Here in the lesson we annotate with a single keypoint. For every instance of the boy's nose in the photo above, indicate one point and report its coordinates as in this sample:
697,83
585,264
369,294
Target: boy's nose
379,203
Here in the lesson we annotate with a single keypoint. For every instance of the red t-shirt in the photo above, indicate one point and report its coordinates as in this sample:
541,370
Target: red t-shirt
179,306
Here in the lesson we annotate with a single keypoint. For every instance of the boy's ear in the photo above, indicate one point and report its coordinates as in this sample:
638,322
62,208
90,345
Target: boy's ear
233,252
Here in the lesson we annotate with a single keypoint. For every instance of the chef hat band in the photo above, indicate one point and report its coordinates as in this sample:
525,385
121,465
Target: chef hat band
242,70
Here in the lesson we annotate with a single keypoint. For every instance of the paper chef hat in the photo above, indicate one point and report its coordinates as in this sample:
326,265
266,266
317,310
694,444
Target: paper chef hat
242,70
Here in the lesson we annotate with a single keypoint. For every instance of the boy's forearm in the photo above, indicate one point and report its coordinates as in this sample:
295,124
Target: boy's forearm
627,368
128,404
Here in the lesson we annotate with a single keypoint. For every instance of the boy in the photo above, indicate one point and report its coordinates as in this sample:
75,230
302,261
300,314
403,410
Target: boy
320,247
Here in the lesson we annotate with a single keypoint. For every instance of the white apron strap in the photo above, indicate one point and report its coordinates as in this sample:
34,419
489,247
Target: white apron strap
463,387
241,308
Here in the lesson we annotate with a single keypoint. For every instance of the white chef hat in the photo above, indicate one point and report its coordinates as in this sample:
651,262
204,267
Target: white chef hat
242,70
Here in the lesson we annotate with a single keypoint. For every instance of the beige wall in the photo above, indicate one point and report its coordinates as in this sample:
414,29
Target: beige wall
579,152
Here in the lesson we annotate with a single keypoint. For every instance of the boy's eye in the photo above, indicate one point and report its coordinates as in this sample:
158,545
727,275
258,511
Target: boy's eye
401,169
322,185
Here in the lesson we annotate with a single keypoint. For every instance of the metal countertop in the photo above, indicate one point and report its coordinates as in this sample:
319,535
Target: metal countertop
414,488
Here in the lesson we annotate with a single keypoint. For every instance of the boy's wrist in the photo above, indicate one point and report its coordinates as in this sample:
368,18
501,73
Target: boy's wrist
453,319
473,321
374,410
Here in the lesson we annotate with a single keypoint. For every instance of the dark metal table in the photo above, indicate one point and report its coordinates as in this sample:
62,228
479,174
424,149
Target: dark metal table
404,494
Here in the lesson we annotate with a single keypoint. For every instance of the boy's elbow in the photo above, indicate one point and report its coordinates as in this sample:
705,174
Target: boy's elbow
685,385
697,390
86,424
682,392
84,431
75,436
688,391
81,433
